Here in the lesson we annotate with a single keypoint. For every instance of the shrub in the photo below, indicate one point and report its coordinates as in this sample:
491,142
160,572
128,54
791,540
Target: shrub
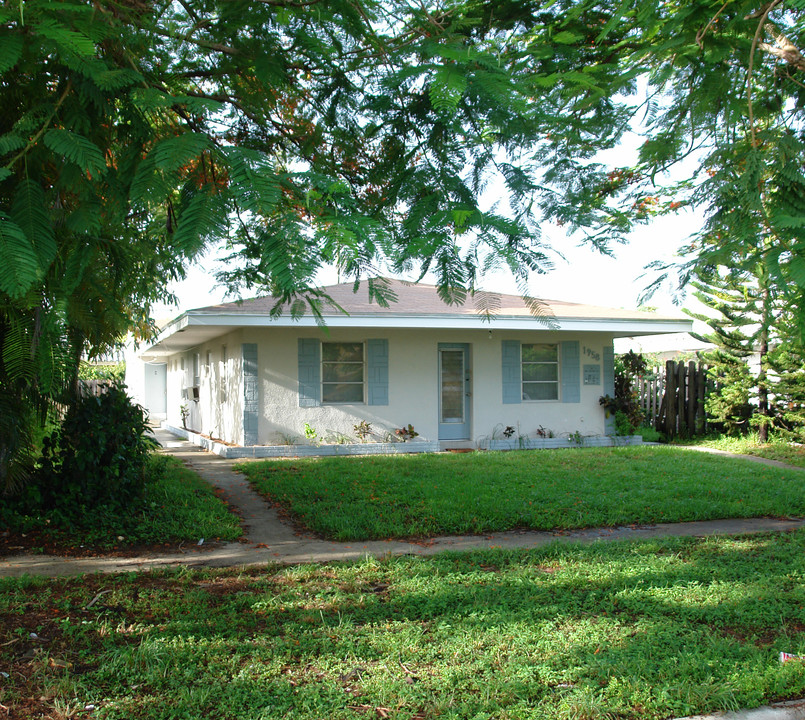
96,458
625,406
113,373
650,434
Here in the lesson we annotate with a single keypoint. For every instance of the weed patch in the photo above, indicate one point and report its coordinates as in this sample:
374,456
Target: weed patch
176,505
650,629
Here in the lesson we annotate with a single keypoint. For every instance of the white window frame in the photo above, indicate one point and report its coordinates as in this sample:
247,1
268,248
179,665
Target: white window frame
556,382
362,383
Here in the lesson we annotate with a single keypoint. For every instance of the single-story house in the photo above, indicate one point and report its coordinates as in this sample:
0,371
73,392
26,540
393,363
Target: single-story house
249,378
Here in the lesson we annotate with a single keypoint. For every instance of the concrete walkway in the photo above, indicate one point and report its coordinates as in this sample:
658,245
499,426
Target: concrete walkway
270,540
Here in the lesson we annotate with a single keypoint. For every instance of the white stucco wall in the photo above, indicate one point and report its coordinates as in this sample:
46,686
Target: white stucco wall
135,374
141,385
413,385
219,409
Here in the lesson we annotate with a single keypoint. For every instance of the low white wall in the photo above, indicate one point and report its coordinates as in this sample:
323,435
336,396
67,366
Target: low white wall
279,451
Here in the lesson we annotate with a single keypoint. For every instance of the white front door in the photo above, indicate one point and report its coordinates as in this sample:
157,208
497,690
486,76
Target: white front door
156,388
454,391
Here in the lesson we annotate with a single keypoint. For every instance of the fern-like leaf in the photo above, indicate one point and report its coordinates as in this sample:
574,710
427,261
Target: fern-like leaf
201,218
10,50
20,267
173,153
77,149
447,85
254,184
68,41
30,215
796,270
10,142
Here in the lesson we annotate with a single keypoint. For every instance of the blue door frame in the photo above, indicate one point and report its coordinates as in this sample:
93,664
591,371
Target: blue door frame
454,391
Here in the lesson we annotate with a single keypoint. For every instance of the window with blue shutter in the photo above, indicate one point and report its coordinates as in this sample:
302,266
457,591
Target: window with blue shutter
571,372
333,373
512,381
343,373
540,370
309,372
377,372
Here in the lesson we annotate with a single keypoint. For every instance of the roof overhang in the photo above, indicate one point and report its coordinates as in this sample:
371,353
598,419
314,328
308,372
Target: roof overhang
194,328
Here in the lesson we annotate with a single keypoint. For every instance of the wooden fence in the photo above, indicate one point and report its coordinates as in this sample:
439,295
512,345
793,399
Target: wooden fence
94,387
672,399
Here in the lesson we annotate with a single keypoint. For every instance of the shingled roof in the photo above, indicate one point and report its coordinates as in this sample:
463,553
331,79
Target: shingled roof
417,306
419,299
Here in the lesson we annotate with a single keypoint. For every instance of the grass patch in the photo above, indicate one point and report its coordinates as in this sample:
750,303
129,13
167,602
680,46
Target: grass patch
776,448
428,495
650,629
177,506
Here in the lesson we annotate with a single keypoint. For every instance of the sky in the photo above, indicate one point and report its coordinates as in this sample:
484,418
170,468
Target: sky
584,275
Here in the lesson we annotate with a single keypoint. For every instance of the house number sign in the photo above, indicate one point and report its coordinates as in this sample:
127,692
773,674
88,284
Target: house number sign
592,354
592,374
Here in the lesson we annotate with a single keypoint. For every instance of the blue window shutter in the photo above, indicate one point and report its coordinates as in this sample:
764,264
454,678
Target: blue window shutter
571,372
512,376
609,385
377,371
609,371
251,403
309,372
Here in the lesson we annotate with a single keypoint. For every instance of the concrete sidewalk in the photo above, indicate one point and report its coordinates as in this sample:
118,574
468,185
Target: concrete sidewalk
270,540
791,710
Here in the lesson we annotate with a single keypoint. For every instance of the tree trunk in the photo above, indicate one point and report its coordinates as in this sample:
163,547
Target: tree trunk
762,387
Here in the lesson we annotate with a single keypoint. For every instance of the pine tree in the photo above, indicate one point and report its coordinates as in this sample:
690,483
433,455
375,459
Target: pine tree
745,325
787,365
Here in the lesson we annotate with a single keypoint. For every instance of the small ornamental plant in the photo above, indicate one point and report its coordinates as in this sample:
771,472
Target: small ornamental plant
406,433
362,430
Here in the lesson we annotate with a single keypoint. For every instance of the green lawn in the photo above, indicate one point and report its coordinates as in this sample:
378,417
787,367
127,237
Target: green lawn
177,506
776,449
652,629
428,495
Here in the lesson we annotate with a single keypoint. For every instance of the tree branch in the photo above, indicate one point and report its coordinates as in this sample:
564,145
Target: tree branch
750,69
700,35
286,3
226,49
784,48
44,127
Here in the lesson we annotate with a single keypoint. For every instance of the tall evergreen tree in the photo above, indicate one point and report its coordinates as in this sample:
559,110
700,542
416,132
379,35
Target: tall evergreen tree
787,364
746,326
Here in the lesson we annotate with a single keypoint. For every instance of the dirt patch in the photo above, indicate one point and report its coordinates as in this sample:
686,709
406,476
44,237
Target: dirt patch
15,543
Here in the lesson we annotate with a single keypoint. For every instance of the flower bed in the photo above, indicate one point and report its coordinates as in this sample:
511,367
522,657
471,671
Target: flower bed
269,451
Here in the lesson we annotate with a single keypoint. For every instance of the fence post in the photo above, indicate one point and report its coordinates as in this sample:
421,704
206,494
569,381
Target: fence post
692,397
700,395
680,399
669,399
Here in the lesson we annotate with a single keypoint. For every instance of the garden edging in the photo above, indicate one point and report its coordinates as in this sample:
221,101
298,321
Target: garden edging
271,451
